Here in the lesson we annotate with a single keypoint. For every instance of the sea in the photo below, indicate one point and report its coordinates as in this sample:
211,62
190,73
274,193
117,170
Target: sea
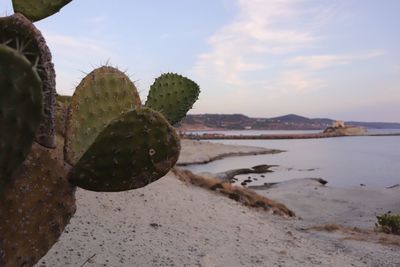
342,161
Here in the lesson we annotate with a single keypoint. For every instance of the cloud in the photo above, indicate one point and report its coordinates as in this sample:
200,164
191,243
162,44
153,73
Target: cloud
317,62
267,45
73,52
299,82
239,47
75,44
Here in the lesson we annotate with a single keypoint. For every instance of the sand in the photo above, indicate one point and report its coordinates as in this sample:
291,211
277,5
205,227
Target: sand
203,152
169,223
351,207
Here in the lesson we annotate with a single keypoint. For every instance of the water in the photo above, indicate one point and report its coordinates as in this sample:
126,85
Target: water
255,132
344,161
260,132
383,131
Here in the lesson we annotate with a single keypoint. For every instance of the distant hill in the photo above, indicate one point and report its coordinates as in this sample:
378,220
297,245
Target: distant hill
286,122
376,125
291,118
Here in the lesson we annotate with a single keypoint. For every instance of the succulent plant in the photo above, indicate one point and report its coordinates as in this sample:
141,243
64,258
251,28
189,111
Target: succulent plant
101,96
18,32
35,207
134,150
38,9
173,95
20,110
103,139
62,106
113,142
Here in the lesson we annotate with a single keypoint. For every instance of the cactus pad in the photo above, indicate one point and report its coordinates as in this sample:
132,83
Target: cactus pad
62,106
21,110
173,95
19,33
34,208
134,150
38,9
103,95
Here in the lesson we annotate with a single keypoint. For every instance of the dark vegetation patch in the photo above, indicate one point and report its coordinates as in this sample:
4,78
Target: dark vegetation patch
242,195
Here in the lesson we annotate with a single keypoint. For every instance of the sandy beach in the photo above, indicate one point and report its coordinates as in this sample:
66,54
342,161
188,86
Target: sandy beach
199,152
172,223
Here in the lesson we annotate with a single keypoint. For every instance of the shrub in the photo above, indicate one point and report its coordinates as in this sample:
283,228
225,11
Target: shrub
388,223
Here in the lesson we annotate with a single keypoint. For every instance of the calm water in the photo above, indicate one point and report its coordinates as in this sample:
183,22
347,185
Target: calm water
344,161
260,132
255,132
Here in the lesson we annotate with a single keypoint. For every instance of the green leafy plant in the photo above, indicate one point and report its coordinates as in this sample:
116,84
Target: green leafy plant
101,139
388,223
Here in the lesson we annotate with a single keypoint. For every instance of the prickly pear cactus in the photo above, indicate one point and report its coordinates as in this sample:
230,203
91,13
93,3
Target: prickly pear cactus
103,95
114,143
62,105
35,207
20,110
134,150
19,33
173,95
38,9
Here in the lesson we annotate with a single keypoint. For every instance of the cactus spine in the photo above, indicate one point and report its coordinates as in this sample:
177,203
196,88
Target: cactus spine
134,150
21,110
101,96
173,95
19,33
111,141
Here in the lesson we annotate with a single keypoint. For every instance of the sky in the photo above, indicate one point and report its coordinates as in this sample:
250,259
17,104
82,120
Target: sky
263,58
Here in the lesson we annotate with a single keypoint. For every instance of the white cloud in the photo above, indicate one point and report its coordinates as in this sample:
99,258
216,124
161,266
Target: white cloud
78,44
299,82
264,46
70,53
237,47
316,62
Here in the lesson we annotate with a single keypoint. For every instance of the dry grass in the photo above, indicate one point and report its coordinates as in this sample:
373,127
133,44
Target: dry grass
242,195
326,227
375,237
385,240
362,235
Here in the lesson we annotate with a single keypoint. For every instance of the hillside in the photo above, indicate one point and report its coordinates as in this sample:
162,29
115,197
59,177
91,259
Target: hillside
286,122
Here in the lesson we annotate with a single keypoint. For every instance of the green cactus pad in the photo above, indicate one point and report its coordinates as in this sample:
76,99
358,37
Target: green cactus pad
173,95
19,33
38,9
35,208
134,150
21,110
103,95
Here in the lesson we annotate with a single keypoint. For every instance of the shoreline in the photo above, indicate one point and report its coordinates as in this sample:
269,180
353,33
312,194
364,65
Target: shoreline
230,154
200,152
277,136
171,223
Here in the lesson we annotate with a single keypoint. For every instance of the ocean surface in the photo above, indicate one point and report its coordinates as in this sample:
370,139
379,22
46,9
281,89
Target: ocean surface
254,132
342,161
